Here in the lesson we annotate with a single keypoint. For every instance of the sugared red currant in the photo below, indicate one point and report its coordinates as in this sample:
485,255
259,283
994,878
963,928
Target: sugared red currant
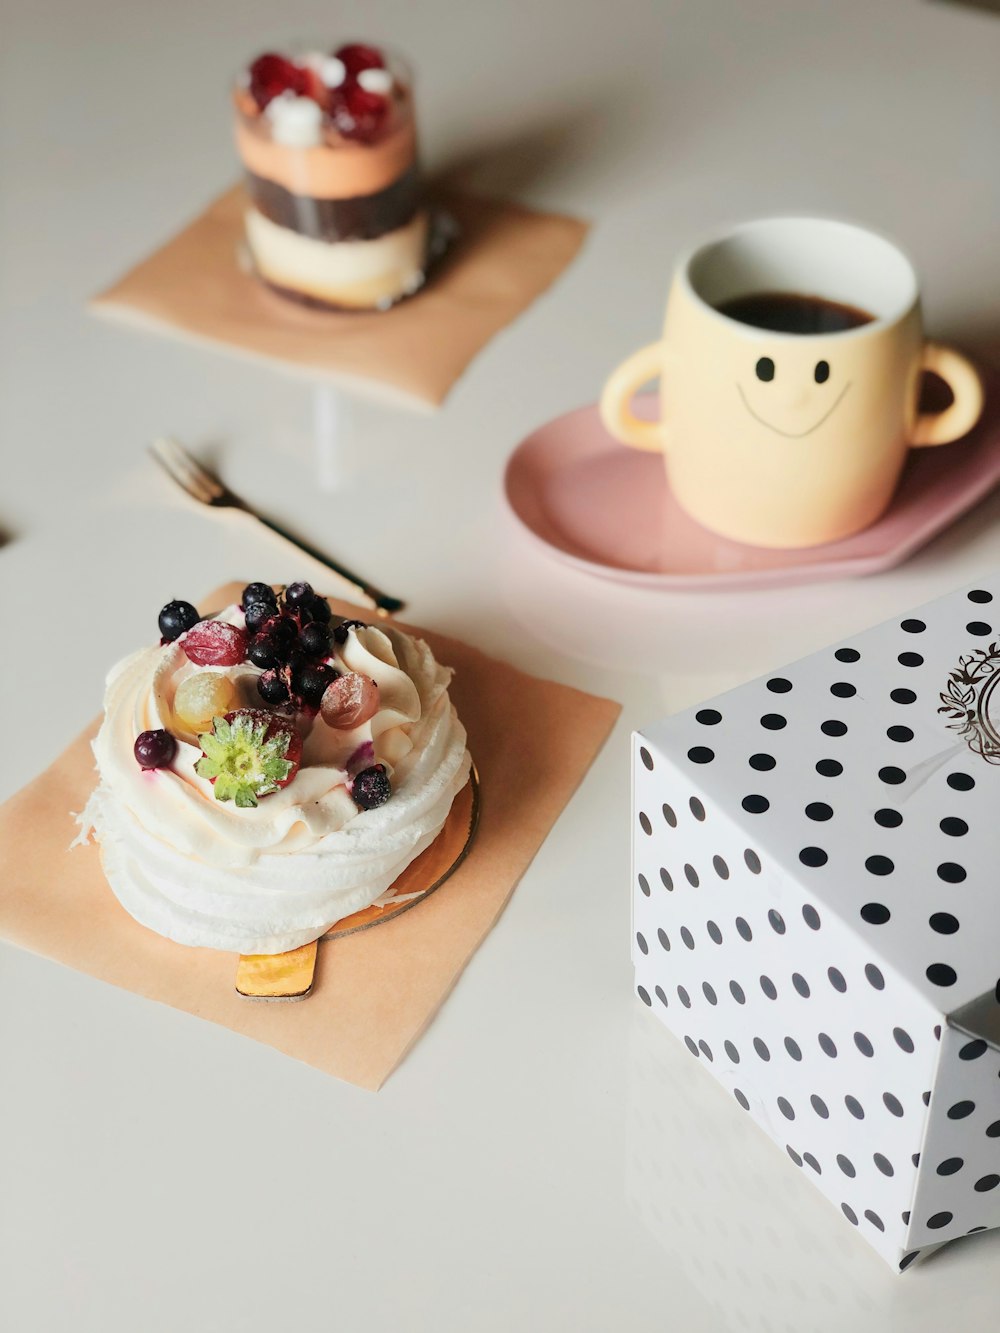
315,640
310,680
154,749
371,788
271,75
176,618
298,594
201,697
349,701
357,56
340,632
272,689
215,643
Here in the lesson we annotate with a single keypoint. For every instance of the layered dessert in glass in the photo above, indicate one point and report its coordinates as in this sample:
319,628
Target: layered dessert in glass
337,215
270,770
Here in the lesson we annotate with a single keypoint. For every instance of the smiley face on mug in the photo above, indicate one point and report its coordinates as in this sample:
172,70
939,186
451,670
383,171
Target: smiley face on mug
790,401
789,369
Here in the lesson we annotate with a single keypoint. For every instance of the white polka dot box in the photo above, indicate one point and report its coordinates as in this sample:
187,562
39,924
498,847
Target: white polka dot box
816,913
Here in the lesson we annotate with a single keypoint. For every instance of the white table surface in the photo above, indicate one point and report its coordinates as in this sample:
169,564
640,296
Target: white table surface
546,1156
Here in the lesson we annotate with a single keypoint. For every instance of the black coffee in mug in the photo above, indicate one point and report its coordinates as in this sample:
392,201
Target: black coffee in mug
792,312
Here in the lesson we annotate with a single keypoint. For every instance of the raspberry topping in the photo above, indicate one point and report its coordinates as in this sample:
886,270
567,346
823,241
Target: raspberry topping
214,643
272,75
314,86
357,114
356,56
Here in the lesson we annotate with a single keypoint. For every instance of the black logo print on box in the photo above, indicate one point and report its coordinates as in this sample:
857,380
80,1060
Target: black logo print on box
972,703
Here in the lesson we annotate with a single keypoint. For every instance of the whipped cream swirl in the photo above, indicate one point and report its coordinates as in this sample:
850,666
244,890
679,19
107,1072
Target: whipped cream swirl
275,876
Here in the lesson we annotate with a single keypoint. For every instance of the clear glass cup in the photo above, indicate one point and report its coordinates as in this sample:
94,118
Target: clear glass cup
337,214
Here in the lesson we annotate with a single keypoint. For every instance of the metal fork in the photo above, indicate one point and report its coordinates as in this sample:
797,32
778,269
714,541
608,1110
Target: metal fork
207,489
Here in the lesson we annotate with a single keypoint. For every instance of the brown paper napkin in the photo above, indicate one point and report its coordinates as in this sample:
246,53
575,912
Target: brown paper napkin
375,991
505,257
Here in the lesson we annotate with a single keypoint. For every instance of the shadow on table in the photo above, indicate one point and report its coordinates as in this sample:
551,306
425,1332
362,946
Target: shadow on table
547,150
735,1219
989,6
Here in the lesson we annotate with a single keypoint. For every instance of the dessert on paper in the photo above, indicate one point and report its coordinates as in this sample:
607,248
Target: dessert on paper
270,770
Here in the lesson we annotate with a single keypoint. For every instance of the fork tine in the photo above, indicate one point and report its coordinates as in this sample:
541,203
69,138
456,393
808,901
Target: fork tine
184,464
202,486
206,478
182,468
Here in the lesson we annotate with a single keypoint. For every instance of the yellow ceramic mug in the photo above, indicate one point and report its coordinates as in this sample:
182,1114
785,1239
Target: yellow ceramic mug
790,439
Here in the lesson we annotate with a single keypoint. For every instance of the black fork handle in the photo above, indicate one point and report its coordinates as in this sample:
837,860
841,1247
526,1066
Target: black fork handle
383,603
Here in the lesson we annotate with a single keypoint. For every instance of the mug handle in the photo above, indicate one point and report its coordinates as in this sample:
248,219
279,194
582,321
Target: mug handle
616,400
967,392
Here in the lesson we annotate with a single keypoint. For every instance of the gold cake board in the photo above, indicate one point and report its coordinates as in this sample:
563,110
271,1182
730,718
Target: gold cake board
289,976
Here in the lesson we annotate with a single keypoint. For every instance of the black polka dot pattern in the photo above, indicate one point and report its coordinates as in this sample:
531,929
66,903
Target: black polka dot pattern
755,804
813,857
762,763
888,818
785,925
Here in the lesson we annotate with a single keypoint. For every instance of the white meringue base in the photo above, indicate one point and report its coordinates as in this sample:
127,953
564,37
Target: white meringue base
273,877
256,909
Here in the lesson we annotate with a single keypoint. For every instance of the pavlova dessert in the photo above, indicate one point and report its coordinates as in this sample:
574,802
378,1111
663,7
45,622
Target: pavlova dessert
269,770
337,212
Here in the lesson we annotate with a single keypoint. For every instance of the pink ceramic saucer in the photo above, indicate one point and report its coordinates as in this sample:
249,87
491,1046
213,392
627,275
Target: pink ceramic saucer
607,509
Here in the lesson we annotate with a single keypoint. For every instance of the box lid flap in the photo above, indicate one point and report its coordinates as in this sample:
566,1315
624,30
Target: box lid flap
870,771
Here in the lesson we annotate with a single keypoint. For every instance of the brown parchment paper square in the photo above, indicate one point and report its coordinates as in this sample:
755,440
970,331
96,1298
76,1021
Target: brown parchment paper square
505,257
375,991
